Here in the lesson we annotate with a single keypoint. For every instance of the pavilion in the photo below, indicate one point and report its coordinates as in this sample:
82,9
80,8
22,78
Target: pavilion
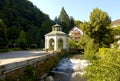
56,39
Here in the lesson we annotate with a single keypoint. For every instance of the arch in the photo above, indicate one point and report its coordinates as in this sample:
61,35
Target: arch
60,43
51,44
56,39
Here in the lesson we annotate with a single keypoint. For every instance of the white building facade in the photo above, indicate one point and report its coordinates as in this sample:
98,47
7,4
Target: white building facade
75,33
56,39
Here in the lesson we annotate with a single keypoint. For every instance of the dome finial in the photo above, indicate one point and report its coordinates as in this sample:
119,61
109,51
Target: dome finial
56,27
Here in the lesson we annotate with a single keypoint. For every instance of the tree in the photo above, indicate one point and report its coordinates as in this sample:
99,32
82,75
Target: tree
86,28
31,35
77,23
116,33
72,24
23,15
56,20
64,18
22,40
100,29
42,31
72,44
3,35
90,48
12,34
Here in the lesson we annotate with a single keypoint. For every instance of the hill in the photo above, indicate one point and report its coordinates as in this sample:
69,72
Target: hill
21,15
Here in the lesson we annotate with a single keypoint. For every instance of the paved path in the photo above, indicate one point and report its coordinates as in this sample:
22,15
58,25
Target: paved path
17,56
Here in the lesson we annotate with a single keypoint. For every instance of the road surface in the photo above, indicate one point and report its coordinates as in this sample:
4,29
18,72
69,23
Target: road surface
18,56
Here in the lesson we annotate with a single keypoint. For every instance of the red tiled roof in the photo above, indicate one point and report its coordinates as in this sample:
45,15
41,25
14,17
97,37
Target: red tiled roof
116,22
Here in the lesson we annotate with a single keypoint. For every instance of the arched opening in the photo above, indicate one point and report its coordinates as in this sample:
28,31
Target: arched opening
51,44
60,43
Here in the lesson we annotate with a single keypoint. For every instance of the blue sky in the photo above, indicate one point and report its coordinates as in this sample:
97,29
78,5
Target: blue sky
79,9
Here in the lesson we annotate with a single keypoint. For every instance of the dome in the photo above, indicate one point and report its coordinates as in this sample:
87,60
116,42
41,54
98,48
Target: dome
56,27
56,30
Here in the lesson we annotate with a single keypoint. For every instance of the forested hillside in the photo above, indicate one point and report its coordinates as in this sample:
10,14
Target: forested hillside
22,17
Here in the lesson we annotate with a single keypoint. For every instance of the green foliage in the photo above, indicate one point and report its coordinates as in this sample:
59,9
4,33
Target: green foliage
23,15
30,73
3,50
83,41
73,47
63,16
90,48
86,28
72,43
12,35
72,24
106,67
100,27
77,23
115,45
65,21
22,42
116,31
3,35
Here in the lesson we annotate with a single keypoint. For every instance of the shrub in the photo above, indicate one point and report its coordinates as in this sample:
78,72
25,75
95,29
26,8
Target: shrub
106,67
90,50
4,50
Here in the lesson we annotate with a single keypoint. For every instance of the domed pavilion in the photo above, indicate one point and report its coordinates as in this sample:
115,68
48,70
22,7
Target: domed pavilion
56,39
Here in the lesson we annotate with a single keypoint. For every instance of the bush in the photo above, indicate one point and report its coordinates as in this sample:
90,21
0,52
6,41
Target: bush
90,50
106,67
23,45
4,50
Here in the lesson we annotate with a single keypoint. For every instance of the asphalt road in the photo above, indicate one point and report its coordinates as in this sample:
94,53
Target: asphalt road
17,56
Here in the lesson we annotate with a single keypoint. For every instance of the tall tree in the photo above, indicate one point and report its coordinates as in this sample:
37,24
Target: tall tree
3,35
100,27
22,40
63,15
64,18
72,24
56,20
12,35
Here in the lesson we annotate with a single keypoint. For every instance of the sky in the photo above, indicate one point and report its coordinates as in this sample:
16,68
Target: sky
78,9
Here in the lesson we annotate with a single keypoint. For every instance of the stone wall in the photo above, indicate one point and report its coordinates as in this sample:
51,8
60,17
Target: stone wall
40,67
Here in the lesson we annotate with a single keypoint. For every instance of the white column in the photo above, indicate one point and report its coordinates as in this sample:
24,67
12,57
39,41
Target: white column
47,42
56,44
